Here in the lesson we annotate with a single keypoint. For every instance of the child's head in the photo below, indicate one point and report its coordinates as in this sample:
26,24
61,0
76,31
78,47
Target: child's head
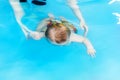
57,33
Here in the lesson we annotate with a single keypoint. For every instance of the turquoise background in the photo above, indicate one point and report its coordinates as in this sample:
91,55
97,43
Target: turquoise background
22,59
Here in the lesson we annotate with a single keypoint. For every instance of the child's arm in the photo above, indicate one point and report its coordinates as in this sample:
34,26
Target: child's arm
77,38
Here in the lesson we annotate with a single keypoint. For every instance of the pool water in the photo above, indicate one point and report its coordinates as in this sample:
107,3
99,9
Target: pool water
27,59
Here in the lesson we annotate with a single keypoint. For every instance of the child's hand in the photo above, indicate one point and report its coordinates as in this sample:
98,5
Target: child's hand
35,35
91,52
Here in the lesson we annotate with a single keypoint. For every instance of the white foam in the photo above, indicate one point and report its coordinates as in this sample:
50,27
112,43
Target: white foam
118,16
113,1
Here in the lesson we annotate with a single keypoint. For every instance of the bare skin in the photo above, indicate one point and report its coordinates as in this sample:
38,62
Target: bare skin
75,8
38,34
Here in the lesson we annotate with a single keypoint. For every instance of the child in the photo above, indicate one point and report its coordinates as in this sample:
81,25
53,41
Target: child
58,32
73,5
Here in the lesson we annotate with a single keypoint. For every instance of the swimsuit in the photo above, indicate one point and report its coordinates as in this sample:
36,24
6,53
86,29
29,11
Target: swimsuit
36,2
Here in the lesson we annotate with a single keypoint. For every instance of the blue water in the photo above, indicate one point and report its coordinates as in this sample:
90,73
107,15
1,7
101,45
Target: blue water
22,59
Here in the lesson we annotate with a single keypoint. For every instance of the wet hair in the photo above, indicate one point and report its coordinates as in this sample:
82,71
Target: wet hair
57,33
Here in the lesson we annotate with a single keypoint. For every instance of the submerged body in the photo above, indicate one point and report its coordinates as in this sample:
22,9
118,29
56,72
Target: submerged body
59,32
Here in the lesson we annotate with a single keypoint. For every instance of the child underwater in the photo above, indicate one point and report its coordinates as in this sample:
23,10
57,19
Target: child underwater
59,32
